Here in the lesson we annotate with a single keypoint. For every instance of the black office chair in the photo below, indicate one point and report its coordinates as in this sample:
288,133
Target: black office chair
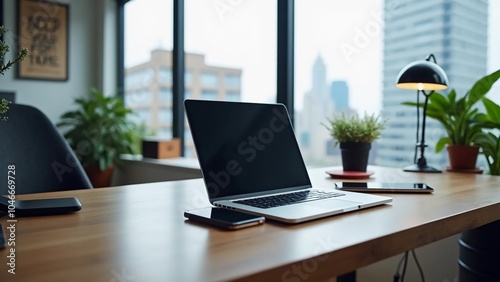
36,155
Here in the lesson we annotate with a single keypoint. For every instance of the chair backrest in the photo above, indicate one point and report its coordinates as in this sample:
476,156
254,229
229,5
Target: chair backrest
36,154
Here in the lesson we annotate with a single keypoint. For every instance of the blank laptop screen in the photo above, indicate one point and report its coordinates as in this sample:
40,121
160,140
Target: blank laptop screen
245,147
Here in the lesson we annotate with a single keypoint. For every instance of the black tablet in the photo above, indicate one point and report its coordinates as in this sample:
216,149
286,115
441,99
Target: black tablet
384,187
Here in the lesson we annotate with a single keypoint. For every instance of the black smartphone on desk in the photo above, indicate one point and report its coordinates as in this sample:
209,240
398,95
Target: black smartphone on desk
40,206
384,187
224,218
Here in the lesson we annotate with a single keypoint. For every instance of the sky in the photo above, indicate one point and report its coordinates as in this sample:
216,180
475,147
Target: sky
242,34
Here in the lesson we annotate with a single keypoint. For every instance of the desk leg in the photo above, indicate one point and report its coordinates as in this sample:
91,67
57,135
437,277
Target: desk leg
348,277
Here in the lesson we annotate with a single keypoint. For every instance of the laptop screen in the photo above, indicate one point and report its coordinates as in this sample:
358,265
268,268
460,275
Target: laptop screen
245,148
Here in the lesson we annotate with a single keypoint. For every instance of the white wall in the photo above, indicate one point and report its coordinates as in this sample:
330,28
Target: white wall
91,39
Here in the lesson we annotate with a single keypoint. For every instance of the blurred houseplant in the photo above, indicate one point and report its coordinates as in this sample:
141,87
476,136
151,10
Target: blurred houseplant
99,131
461,120
489,141
354,135
4,107
4,49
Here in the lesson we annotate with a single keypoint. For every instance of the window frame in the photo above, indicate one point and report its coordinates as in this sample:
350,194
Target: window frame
285,60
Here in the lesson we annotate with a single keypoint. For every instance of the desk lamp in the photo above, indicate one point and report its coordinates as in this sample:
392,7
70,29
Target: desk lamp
425,76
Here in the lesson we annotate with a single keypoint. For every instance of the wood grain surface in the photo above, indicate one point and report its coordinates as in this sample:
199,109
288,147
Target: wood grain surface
138,233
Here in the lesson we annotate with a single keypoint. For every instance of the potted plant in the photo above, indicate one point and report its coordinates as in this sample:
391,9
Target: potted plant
4,49
99,131
479,246
354,134
461,120
488,141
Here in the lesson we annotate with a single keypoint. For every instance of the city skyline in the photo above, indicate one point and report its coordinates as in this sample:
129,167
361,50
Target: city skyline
317,33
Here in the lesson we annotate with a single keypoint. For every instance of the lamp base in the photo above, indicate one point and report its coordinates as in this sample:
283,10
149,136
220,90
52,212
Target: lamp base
421,168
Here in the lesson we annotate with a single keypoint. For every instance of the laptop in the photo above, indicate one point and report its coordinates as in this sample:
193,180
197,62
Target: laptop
251,162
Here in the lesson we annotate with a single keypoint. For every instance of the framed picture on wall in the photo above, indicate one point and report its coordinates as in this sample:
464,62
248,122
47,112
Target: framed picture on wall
43,28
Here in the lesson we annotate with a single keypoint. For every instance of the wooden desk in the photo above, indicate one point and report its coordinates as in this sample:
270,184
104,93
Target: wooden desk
138,233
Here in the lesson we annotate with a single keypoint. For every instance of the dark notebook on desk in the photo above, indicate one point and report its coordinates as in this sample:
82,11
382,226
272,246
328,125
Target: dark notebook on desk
250,161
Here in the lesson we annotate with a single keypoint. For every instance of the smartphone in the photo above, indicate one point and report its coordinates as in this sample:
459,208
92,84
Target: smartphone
224,218
40,206
381,187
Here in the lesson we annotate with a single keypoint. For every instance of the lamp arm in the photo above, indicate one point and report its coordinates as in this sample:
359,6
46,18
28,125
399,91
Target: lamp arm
422,161
431,56
422,140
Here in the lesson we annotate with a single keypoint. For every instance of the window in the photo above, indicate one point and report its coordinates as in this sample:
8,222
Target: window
165,94
142,116
233,80
188,77
165,117
233,96
138,97
208,95
332,72
164,133
209,79
349,52
165,75
233,48
139,78
232,55
148,63
362,45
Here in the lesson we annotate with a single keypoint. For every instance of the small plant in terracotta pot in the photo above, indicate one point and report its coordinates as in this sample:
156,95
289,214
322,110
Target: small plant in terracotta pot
355,134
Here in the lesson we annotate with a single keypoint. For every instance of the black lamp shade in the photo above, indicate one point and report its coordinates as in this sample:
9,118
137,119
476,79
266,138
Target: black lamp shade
422,75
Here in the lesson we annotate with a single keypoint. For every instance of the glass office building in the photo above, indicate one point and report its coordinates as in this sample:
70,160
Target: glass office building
148,90
455,31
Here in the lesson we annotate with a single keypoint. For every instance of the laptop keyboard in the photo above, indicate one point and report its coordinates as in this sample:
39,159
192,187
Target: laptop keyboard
288,199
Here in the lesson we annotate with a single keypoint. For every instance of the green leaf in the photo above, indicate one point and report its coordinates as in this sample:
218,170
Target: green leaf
461,119
355,128
441,143
482,86
492,110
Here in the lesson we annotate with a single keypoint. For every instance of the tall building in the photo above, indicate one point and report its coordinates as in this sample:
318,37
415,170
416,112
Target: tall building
455,31
318,105
339,92
148,90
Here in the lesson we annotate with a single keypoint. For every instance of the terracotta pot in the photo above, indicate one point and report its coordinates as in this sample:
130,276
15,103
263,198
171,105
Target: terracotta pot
462,157
99,178
355,155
